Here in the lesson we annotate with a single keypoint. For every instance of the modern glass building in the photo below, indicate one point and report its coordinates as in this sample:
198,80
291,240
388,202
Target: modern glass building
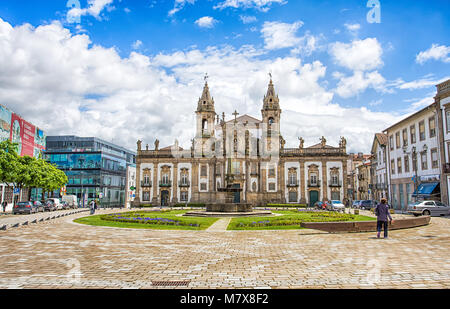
96,169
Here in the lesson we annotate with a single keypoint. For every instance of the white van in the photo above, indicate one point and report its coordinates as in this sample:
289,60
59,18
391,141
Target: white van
57,203
71,200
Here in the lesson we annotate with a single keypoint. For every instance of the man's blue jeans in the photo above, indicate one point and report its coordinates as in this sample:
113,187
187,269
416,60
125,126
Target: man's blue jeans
381,225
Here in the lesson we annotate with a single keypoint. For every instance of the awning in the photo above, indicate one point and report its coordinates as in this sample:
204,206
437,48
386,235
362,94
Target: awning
426,189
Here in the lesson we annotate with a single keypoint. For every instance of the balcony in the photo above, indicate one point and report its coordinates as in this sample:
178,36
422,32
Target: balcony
146,184
315,184
184,184
336,184
165,184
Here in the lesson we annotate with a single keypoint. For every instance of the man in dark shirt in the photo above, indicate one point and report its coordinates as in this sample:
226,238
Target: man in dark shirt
382,212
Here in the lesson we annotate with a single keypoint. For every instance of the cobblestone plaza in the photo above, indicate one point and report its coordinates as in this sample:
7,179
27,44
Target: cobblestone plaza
62,254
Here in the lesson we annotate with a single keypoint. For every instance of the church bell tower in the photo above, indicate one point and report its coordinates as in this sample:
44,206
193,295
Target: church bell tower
271,114
206,116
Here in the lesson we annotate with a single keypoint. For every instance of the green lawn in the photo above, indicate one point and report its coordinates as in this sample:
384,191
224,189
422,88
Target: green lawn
291,219
124,220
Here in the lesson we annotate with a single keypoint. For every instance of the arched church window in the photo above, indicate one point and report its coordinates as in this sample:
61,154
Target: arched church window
271,121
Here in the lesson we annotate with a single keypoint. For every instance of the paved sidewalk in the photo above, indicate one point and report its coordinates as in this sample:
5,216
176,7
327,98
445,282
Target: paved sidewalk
62,254
220,225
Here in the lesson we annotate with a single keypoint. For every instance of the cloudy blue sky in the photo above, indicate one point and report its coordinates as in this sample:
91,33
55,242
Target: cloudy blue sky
125,70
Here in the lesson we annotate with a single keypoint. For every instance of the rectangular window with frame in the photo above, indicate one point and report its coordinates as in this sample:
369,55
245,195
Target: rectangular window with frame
424,160
447,119
397,140
412,131
271,172
406,159
184,196
391,142
399,165
432,126
272,186
392,166
405,137
422,130
203,186
434,158
204,171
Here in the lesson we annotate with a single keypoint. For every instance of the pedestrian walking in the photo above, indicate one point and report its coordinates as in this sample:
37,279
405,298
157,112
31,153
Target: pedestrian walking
92,206
383,215
4,205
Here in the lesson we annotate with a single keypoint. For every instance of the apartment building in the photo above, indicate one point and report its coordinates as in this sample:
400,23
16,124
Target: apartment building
413,158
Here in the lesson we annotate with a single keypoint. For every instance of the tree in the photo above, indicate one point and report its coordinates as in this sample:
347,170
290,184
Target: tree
9,163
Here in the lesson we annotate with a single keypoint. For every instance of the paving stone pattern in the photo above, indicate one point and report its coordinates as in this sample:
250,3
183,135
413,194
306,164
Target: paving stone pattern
62,254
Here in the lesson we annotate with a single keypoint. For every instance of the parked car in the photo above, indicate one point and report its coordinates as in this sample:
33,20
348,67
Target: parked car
321,205
39,205
65,205
367,204
71,200
336,206
57,203
26,207
429,208
356,203
49,205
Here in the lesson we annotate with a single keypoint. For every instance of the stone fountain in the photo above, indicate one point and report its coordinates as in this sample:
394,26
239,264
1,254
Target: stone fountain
225,205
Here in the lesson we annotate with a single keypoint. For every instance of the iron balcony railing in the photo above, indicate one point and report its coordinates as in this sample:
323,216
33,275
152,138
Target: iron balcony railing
336,183
292,183
146,184
185,184
313,184
165,183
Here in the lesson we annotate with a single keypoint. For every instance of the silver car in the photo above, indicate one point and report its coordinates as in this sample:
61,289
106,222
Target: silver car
336,206
429,208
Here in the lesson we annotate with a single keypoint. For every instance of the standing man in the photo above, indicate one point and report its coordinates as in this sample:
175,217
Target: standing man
4,205
382,212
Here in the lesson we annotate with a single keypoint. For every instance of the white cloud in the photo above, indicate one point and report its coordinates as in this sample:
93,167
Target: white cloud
137,44
419,83
66,85
261,5
95,7
350,86
206,22
352,27
247,19
179,5
279,35
435,52
359,55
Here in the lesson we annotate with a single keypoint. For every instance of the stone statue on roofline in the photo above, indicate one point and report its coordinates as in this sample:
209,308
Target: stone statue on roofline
323,141
343,142
156,144
302,142
139,145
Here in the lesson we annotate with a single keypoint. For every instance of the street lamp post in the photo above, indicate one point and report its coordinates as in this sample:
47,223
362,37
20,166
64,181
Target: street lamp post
414,158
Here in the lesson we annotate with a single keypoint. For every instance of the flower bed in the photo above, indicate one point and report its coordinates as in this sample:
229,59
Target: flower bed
291,219
158,219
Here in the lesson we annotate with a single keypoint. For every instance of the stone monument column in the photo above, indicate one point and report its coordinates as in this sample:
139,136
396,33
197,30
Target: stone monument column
324,180
302,182
175,183
155,184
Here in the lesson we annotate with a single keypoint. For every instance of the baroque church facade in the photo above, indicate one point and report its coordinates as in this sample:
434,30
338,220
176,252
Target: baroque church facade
248,149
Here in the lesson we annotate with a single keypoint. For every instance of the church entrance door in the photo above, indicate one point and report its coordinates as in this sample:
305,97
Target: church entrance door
237,195
313,197
164,198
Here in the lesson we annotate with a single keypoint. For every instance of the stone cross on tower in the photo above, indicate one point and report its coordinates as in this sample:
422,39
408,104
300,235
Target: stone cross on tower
235,114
